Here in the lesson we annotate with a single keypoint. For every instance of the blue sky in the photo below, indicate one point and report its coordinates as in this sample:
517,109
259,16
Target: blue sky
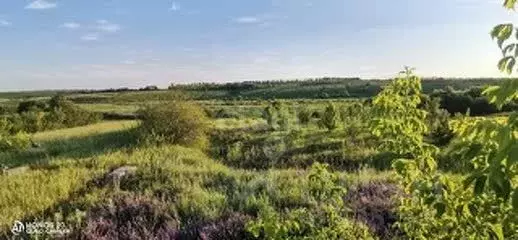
54,44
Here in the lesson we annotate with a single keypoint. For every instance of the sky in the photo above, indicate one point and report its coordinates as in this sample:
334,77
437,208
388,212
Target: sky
78,44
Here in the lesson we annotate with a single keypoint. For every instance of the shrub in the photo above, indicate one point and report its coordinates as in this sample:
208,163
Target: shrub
330,118
31,105
75,116
375,204
70,114
33,121
182,123
277,116
198,205
53,119
11,140
231,227
225,113
438,121
326,218
304,116
130,218
14,142
316,114
61,113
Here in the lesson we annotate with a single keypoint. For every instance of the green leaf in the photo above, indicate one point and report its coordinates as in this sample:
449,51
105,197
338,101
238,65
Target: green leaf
469,180
399,165
498,231
508,48
472,151
500,183
504,63
515,199
512,157
440,208
479,184
509,4
510,65
502,32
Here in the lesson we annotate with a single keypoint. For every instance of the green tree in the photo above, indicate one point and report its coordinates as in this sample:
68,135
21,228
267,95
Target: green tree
438,121
183,123
10,139
277,116
496,156
437,206
330,118
304,116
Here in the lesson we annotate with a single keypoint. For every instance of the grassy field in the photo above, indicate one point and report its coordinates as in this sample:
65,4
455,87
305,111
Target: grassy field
79,142
260,159
60,186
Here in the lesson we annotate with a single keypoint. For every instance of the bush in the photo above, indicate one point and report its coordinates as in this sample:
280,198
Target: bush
225,113
31,105
75,116
130,218
375,204
326,218
330,118
11,140
231,227
277,116
438,121
35,116
472,99
316,114
304,116
182,123
33,121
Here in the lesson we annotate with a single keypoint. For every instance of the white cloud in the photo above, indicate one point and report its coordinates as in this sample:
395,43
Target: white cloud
128,62
174,7
90,37
41,4
106,26
71,25
247,20
5,23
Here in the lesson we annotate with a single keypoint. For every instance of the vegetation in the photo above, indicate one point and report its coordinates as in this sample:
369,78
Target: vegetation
58,112
409,163
11,140
330,118
178,122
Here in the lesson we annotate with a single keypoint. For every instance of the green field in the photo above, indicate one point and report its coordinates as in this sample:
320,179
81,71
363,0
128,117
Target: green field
256,172
61,172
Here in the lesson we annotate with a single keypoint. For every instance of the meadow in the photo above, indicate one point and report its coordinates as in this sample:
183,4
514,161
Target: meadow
266,167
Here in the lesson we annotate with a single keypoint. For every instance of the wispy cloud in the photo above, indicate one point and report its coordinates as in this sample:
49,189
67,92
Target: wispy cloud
5,23
248,19
106,26
128,62
41,5
174,6
262,20
71,25
90,37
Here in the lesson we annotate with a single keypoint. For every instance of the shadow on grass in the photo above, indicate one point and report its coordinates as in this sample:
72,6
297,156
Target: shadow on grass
75,147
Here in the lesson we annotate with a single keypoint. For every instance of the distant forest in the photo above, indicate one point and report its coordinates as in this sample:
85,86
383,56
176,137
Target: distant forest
323,88
317,88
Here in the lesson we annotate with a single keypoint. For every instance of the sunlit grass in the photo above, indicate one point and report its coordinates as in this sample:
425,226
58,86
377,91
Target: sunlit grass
94,129
86,141
111,108
61,173
228,123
